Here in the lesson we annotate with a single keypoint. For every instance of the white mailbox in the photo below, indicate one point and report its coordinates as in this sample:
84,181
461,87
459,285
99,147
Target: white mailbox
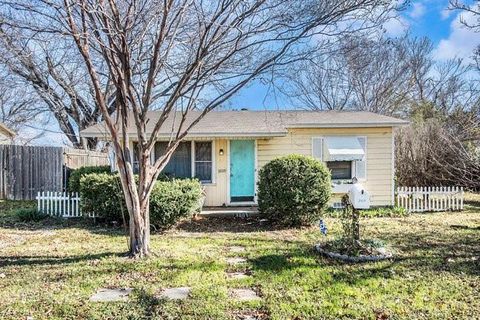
359,197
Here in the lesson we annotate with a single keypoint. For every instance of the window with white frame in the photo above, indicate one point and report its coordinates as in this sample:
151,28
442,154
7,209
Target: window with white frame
179,165
203,161
340,170
345,156
190,159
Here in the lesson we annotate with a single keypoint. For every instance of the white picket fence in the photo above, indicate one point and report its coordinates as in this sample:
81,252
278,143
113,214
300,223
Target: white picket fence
60,204
423,199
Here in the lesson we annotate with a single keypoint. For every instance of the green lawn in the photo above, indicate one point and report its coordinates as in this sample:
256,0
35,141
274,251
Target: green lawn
51,268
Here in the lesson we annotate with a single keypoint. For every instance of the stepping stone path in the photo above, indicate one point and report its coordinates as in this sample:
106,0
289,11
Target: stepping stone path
236,249
235,261
237,275
111,295
180,293
244,295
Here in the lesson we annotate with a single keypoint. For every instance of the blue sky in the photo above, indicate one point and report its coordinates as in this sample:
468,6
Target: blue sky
422,18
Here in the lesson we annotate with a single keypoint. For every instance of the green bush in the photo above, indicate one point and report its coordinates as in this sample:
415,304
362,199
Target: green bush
169,202
102,193
173,200
30,215
77,174
294,190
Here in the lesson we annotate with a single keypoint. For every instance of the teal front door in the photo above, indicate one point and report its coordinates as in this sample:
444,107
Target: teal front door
242,170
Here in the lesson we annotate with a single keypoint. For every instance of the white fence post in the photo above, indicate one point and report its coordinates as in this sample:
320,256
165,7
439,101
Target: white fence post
422,199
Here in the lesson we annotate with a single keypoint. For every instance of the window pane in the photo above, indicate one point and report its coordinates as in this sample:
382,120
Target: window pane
203,171
340,169
203,151
180,164
136,165
203,161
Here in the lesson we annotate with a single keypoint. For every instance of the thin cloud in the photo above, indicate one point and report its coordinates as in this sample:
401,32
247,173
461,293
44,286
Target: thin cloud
445,13
461,41
418,10
396,27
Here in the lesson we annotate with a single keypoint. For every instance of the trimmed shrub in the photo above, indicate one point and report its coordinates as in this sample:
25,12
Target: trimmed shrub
170,200
30,215
77,174
294,190
174,200
102,193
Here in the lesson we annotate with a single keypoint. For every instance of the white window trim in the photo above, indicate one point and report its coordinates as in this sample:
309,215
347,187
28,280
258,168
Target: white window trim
312,144
213,161
354,165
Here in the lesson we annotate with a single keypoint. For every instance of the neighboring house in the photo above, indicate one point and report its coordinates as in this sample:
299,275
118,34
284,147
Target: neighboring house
6,134
226,149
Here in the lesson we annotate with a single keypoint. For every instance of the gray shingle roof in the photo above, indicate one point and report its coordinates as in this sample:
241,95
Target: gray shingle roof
258,123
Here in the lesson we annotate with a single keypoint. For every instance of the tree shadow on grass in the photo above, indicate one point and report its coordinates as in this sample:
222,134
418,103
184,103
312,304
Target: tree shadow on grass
227,224
53,260
52,224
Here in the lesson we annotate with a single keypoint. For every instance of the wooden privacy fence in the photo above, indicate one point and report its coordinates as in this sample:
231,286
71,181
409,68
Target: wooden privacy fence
76,158
423,199
60,204
26,170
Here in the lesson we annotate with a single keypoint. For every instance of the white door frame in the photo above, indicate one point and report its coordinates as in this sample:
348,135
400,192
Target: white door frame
243,203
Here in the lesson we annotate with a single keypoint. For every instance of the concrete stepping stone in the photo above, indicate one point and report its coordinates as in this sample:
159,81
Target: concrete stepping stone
244,295
236,249
237,275
111,295
236,260
180,293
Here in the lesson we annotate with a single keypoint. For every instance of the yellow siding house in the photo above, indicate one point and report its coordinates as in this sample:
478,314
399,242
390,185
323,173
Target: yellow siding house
226,149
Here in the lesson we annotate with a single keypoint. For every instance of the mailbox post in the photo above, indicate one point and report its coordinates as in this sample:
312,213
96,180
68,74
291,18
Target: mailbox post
359,199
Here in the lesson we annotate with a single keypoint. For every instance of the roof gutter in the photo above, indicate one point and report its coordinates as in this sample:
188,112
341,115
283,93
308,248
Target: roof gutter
197,135
348,125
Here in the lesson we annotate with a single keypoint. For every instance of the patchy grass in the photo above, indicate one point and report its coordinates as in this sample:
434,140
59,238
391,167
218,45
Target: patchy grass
472,199
50,269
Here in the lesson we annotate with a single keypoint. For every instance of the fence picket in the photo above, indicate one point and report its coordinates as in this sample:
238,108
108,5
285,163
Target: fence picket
60,204
424,199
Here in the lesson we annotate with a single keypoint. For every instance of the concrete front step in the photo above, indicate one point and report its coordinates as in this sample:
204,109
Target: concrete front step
238,212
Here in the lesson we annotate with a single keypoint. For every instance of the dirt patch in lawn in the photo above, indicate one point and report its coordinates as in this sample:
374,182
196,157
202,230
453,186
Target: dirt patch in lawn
225,224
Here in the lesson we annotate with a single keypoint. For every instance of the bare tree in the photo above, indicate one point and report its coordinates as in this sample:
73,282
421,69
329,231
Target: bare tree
18,108
361,73
49,67
431,155
179,55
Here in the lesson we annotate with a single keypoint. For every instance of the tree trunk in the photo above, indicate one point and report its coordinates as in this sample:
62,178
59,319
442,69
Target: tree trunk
139,232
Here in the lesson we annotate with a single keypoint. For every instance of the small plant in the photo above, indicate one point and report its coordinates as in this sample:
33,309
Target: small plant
30,215
77,174
294,190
